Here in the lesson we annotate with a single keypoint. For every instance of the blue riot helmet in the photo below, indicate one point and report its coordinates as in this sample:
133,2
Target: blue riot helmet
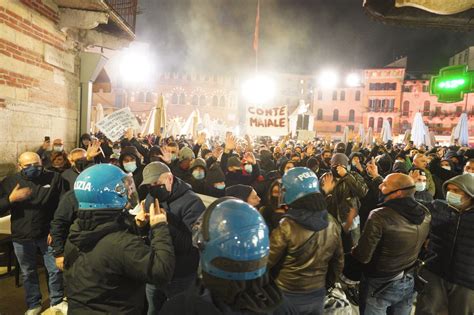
297,183
105,186
233,239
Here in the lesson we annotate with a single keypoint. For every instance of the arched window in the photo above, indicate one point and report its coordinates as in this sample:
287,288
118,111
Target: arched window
222,101
351,115
406,108
390,121
149,97
343,96
426,108
335,115
319,115
174,98
371,122
194,101
215,101
379,124
334,96
182,99
202,101
141,97
357,96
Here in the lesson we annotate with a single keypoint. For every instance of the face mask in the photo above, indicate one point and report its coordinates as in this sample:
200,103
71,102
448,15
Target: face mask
173,157
82,164
248,168
32,171
116,151
348,168
446,167
392,192
220,186
453,199
466,172
130,167
327,160
184,165
198,174
58,148
277,156
160,192
420,186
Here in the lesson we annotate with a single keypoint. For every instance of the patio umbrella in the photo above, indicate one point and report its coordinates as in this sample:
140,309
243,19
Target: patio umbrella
345,135
428,142
418,130
462,130
386,131
369,139
361,132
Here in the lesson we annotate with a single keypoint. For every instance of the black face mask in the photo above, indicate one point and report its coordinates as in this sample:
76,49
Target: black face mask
159,192
327,160
32,172
383,196
334,172
82,164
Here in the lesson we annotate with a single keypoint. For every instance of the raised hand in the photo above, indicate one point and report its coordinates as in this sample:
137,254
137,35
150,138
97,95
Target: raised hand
250,157
372,169
201,138
230,143
341,170
328,183
128,134
19,194
157,214
93,150
166,155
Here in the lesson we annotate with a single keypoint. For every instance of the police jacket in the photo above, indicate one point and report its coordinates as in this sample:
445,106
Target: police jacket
107,266
64,216
452,239
307,249
393,237
30,218
346,194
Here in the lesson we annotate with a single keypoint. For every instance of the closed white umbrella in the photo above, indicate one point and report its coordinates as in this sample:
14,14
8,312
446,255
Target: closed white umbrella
345,135
462,130
361,132
386,132
369,139
99,115
428,142
418,130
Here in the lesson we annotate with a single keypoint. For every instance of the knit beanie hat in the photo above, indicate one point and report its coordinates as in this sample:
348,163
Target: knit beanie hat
239,191
339,159
215,174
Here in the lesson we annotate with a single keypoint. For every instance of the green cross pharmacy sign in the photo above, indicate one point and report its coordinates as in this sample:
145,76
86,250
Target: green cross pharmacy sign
452,83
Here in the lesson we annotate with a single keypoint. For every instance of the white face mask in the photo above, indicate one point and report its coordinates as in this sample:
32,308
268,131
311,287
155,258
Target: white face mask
453,199
466,172
58,148
420,186
130,166
446,167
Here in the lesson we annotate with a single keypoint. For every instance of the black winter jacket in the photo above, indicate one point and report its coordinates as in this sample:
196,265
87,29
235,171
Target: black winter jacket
113,265
452,239
69,176
64,216
30,218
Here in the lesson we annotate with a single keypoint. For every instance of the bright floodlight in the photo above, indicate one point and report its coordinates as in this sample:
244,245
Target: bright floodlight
136,66
328,79
259,89
353,80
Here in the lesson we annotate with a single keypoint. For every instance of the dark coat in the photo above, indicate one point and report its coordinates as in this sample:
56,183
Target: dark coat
113,265
452,239
64,216
31,218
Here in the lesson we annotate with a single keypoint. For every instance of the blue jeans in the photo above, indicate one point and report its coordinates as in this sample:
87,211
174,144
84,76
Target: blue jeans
311,302
156,296
398,295
25,252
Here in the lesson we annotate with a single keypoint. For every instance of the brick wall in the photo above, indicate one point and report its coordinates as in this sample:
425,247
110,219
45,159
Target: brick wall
37,99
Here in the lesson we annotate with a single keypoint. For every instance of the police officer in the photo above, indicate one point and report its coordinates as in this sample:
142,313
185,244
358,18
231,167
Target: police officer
107,264
389,247
232,238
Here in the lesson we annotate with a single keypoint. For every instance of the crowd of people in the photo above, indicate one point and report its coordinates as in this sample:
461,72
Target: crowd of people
123,229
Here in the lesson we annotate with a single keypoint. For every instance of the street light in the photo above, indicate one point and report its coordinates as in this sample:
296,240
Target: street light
136,65
328,79
353,80
259,90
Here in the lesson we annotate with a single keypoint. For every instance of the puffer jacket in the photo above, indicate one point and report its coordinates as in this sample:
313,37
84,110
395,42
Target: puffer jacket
307,249
393,237
346,194
452,239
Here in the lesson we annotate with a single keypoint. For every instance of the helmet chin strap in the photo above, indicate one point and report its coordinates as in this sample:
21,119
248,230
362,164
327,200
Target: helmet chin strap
400,189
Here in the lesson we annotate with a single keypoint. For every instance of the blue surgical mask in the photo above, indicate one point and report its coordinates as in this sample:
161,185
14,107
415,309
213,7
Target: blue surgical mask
453,199
130,167
420,186
220,186
248,168
198,174
32,171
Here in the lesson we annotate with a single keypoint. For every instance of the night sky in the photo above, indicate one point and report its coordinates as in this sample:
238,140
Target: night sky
296,36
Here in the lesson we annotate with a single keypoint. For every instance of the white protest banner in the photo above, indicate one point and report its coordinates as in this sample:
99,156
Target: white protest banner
263,121
115,124
306,135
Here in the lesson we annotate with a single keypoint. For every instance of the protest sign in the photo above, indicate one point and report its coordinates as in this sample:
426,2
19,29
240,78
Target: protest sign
263,121
115,124
306,135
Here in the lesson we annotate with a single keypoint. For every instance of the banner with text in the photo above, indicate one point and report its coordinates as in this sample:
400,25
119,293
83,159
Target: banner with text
115,124
267,121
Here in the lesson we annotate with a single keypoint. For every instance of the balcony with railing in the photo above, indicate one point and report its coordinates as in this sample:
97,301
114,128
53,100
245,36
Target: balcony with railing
126,9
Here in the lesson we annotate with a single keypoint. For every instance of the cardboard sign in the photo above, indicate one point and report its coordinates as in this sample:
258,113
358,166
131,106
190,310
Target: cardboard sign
306,135
271,121
115,124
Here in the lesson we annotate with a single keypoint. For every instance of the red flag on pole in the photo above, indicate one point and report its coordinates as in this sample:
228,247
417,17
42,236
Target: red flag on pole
257,24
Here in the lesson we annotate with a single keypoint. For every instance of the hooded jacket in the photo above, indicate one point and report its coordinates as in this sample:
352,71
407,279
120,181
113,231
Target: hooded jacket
138,173
392,238
109,266
452,237
306,247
